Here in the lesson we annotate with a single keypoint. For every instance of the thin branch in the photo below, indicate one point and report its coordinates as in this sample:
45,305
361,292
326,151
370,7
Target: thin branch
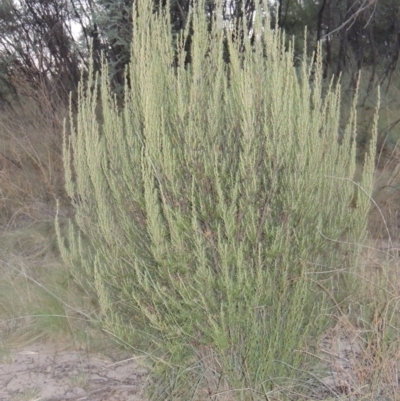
366,4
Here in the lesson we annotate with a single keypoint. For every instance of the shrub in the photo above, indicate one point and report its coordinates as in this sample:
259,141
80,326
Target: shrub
216,212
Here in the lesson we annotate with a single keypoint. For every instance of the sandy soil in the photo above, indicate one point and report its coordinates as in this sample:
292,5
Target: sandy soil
46,372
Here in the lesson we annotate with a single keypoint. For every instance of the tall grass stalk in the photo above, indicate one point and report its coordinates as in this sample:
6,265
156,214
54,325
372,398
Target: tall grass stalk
216,212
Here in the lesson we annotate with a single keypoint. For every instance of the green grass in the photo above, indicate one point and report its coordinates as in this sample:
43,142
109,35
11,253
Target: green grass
219,220
32,274
27,395
39,299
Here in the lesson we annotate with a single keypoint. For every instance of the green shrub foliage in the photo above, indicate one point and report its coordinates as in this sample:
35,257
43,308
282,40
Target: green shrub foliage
216,212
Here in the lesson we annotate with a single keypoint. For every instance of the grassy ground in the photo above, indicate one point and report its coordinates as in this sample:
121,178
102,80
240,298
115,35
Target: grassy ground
38,298
40,301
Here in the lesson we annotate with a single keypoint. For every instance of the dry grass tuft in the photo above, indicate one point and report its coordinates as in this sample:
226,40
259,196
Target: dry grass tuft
31,172
38,297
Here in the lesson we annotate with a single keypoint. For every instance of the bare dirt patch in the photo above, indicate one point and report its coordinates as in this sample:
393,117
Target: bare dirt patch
46,372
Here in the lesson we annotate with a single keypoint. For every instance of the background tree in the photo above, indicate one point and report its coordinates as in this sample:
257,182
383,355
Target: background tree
37,49
46,42
355,33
